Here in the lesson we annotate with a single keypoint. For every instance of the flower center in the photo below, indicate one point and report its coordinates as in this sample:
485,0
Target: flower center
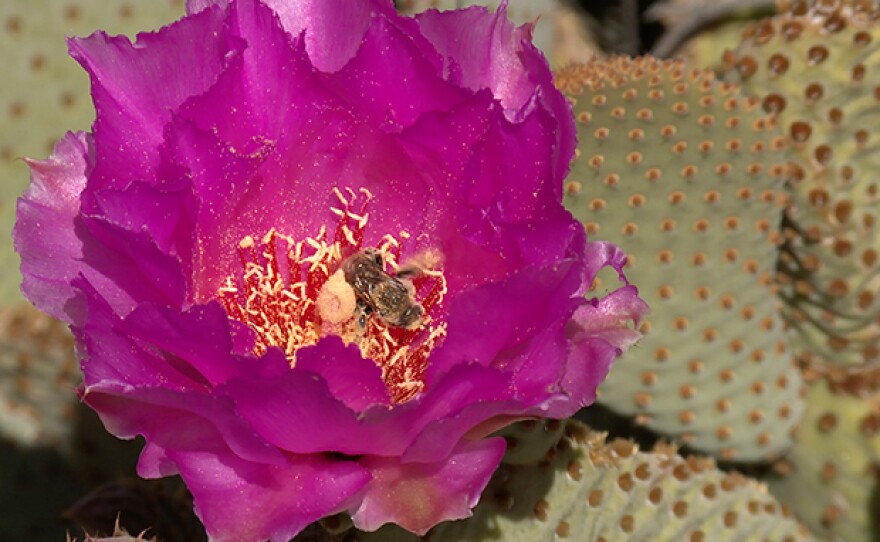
292,293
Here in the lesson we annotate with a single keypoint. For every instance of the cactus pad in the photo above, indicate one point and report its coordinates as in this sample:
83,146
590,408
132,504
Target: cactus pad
684,173
38,372
815,66
587,489
833,471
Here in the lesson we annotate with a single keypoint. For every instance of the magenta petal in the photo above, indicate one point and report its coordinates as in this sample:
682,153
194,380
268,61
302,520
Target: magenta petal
462,38
44,233
110,356
198,340
241,501
522,306
165,212
297,412
612,318
207,161
334,29
136,86
474,421
184,350
586,367
529,197
130,262
511,66
171,420
389,58
355,381
418,496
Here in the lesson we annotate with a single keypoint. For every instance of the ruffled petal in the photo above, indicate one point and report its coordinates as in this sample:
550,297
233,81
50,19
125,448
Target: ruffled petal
418,496
334,29
129,264
172,420
355,381
165,212
613,318
143,381
389,58
296,411
242,501
136,86
58,244
44,233
524,307
511,67
483,50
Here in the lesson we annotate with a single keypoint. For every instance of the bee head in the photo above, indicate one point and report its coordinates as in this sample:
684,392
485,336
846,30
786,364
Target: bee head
411,317
375,255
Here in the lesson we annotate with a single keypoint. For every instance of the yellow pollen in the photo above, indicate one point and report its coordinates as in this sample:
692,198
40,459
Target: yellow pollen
292,293
336,300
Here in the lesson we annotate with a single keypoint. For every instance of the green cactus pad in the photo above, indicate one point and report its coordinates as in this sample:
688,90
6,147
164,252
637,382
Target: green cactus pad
833,471
816,67
45,93
38,373
587,489
715,26
529,441
684,173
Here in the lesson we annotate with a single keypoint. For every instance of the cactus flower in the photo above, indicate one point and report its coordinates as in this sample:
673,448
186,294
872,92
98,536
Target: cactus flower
315,254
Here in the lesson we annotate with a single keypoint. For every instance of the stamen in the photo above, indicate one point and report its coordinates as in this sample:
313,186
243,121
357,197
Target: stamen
292,293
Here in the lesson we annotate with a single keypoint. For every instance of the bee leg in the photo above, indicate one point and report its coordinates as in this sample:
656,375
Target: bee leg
407,272
410,288
363,312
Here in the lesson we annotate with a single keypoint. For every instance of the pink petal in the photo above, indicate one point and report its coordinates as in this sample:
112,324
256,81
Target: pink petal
296,411
334,29
241,501
355,381
390,58
510,66
613,318
171,420
165,212
136,86
524,307
418,496
462,36
44,233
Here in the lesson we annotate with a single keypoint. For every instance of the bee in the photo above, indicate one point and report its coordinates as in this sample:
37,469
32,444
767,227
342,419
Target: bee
388,296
